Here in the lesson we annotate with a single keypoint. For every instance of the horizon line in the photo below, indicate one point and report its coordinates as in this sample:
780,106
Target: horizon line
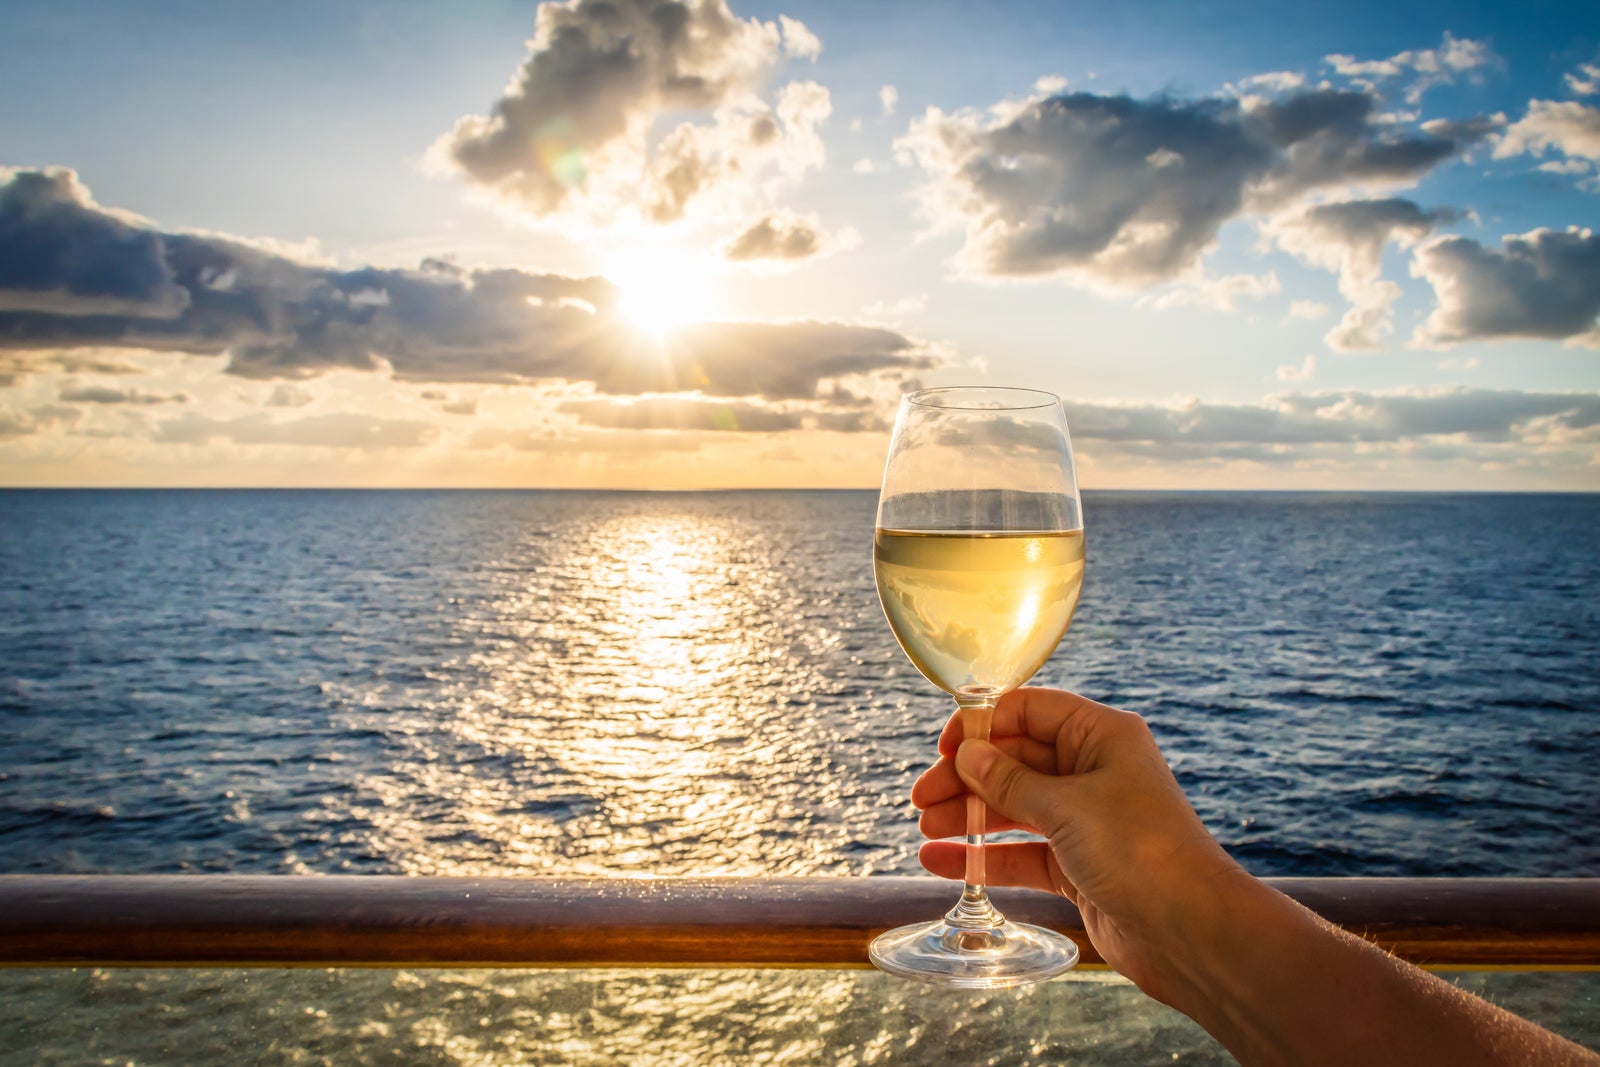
746,489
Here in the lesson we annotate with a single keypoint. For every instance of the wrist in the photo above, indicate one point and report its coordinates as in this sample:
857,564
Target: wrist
1233,937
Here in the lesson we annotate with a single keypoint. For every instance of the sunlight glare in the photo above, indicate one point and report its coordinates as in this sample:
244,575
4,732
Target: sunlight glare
662,290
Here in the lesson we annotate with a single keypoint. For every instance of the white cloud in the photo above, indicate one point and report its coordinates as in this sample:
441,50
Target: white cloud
906,305
888,99
1564,126
1278,81
335,430
1298,372
1218,294
36,420
1543,284
575,134
697,414
1308,309
289,396
1585,81
1426,67
1471,424
1348,238
799,41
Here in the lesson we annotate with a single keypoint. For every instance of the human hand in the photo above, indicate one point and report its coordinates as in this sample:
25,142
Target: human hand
1122,842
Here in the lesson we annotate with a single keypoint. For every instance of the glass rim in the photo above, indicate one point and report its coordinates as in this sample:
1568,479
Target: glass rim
944,397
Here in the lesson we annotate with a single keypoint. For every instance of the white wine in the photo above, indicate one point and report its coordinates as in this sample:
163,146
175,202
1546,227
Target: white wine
978,612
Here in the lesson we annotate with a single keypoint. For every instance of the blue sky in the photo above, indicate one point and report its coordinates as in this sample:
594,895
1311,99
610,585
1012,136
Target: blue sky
1250,245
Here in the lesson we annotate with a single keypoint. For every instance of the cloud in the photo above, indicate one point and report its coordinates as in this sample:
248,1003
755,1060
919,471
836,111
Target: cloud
551,441
1543,284
1277,81
1218,294
1585,81
1293,426
99,394
274,317
776,236
1298,372
1308,309
15,366
337,430
799,41
577,127
888,99
682,413
1112,191
56,258
906,305
289,396
36,420
1348,238
1426,67
1563,126
451,405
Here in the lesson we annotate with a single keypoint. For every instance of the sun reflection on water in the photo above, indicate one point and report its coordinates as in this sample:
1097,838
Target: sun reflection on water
646,693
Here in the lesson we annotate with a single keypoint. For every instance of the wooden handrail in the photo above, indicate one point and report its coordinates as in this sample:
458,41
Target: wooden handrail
274,921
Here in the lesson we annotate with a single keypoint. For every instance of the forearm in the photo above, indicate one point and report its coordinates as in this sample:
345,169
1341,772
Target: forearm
1276,984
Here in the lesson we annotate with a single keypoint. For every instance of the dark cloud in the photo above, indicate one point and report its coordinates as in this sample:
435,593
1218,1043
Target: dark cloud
57,258
1542,284
100,394
776,237
1125,192
274,317
339,430
681,413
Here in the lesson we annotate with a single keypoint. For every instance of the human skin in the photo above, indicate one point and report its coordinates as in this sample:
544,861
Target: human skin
1167,907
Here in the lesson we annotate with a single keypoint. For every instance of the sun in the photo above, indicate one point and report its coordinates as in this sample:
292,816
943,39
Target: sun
662,290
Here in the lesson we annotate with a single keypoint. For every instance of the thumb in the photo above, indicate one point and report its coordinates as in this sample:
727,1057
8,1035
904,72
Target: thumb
1014,790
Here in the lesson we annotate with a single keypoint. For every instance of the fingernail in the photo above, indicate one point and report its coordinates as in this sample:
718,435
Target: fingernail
974,758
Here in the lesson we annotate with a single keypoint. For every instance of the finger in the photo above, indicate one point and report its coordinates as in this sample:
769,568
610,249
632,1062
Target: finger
1016,790
949,819
1078,728
1035,712
941,782
1040,755
1022,863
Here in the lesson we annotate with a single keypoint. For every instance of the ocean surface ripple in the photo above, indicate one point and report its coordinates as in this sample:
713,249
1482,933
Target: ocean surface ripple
566,683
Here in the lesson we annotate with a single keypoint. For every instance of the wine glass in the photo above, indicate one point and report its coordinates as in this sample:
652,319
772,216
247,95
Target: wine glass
978,555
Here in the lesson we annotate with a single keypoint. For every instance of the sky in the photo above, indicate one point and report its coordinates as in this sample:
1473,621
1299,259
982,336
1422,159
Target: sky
653,244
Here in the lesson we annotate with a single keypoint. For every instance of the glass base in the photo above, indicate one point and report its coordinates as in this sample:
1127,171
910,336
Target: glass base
989,957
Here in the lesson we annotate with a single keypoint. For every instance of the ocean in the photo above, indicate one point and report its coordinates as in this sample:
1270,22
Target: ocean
624,684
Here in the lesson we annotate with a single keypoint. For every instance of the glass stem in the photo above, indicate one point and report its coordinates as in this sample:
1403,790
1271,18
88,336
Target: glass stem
974,909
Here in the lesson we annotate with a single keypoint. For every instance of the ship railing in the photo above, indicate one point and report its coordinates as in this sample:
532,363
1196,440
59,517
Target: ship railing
391,921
